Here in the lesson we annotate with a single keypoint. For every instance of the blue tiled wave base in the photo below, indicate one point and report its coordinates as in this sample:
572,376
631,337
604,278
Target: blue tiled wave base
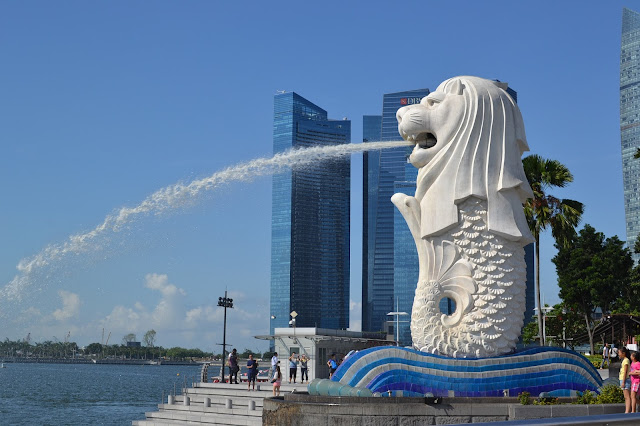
389,369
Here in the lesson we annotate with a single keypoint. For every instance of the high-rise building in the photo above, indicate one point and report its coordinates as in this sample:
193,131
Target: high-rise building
310,221
389,258
389,273
630,122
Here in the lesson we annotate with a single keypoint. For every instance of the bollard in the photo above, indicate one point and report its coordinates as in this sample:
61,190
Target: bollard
207,402
257,387
186,400
171,400
228,403
252,405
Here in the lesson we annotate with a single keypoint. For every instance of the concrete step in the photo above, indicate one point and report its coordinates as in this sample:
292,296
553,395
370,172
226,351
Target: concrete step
196,414
188,417
236,401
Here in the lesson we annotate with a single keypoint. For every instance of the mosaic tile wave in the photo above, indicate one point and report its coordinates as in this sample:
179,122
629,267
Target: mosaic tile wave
389,369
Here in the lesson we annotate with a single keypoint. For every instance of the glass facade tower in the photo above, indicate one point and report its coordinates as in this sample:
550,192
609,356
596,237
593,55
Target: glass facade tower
389,276
630,122
310,221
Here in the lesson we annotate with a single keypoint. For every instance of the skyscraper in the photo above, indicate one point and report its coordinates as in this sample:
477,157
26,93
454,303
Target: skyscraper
388,277
630,121
310,221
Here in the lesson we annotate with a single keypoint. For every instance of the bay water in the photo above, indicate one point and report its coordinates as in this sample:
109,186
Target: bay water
87,394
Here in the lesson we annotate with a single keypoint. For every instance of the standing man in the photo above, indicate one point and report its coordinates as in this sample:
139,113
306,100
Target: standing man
293,366
304,371
252,372
605,356
233,366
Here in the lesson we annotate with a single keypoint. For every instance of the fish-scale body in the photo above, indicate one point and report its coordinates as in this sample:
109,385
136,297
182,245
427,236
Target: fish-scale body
484,274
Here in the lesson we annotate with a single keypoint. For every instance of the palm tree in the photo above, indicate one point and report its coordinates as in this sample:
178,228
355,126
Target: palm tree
545,210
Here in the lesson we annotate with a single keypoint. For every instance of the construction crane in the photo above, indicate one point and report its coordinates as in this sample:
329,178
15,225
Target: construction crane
108,337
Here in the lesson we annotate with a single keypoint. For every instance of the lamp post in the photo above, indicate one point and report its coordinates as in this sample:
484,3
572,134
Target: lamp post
226,303
292,323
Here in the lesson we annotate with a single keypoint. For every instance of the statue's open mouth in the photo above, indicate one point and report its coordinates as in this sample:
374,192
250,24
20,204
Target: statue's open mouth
426,140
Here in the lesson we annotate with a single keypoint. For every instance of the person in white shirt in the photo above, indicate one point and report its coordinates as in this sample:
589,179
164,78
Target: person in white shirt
605,356
274,363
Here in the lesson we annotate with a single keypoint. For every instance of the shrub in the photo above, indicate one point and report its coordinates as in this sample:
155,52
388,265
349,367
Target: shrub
610,394
546,401
524,398
596,360
587,397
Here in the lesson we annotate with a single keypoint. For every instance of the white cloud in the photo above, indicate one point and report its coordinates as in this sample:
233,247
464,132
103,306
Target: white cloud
70,306
166,310
161,282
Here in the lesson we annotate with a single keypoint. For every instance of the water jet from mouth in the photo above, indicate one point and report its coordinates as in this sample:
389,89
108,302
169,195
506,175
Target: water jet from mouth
165,201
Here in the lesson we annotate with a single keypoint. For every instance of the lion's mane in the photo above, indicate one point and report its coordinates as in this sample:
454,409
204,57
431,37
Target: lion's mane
482,160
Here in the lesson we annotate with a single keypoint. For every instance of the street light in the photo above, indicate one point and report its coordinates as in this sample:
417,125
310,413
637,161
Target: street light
226,303
397,315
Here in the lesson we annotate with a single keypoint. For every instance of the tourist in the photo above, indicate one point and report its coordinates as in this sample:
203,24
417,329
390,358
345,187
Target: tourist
625,382
274,363
635,380
233,367
277,381
333,365
304,372
613,353
605,356
293,366
252,372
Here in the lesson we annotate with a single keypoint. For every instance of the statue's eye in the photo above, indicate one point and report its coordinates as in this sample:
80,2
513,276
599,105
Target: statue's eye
431,101
434,98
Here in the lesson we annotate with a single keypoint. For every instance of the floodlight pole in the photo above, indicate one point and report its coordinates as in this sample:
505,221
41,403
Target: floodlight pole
226,303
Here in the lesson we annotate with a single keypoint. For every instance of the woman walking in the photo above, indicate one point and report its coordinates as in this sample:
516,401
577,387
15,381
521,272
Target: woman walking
625,382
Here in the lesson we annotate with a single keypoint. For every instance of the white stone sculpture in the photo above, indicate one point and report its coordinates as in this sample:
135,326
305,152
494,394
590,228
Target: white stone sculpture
467,217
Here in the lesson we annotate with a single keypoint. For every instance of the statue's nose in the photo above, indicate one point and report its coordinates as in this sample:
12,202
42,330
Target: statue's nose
400,113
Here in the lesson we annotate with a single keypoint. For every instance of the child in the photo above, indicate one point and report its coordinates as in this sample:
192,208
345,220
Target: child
332,364
625,383
277,381
635,380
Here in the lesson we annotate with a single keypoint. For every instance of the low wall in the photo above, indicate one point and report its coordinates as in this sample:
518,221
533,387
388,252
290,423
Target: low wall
301,409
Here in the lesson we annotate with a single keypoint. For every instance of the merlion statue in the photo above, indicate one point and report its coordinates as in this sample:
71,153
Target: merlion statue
467,217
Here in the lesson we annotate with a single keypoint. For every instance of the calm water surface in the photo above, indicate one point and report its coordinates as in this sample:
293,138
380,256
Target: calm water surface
83,394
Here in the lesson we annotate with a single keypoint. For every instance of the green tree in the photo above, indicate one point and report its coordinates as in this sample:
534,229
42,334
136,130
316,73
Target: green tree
529,332
592,274
149,338
128,338
545,210
93,349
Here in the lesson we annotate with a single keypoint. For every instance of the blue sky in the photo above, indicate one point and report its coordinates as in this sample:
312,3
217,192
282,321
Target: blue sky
104,103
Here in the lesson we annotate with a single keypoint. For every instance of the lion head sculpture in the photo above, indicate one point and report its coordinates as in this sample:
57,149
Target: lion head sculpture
469,138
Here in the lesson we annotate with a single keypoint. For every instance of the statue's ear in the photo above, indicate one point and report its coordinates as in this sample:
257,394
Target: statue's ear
456,87
501,85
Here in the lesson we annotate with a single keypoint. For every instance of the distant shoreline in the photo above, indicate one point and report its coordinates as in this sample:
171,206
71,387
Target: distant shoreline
25,360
